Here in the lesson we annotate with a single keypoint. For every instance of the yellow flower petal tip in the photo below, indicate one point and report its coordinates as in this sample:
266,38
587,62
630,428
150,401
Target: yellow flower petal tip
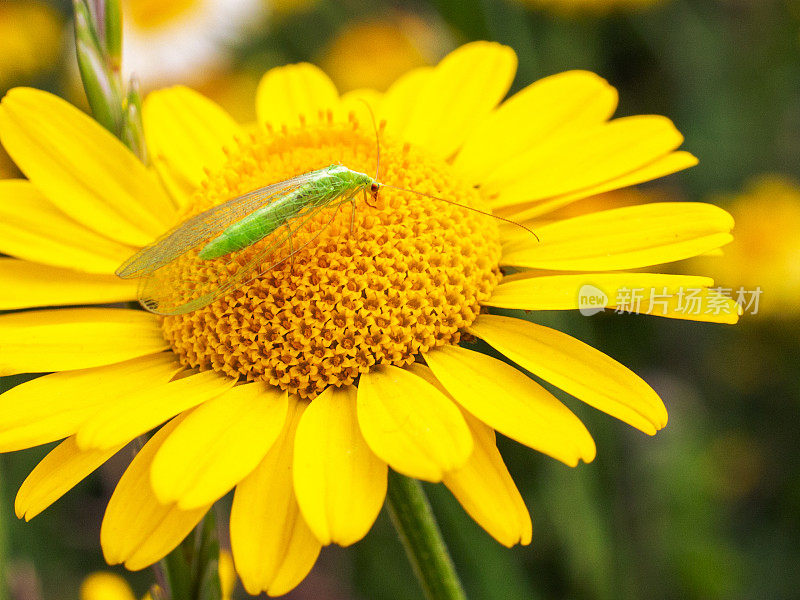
487,492
576,368
137,530
513,404
273,547
59,471
624,238
339,482
411,425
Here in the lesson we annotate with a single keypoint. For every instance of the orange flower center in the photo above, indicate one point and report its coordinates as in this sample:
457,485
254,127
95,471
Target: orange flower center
380,284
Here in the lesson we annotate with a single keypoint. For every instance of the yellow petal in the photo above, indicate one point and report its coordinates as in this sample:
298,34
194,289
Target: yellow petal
512,403
286,93
186,133
463,88
27,285
675,296
571,163
665,165
32,228
576,368
179,189
75,338
554,105
363,103
410,424
137,530
81,168
712,305
623,238
340,484
55,406
299,556
141,410
58,472
400,100
218,445
273,548
484,487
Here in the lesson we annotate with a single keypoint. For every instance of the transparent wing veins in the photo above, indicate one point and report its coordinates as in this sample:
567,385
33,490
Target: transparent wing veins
204,226
153,292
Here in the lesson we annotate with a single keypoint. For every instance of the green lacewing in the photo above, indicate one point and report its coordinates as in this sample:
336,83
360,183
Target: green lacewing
273,213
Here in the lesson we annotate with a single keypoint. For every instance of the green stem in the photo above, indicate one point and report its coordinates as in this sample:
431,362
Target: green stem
191,568
415,524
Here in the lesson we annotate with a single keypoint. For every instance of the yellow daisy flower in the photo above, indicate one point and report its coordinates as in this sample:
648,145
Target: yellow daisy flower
366,324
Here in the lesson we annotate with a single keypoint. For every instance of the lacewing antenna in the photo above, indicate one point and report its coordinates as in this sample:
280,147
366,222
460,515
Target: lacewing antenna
528,229
376,186
377,138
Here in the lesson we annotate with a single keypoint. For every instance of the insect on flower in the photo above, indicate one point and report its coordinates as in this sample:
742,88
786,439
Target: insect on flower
201,259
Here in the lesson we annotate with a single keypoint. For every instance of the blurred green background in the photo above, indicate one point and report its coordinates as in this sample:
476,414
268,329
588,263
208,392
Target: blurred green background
710,507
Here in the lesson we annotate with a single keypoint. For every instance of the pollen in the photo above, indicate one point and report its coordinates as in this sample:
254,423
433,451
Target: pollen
373,281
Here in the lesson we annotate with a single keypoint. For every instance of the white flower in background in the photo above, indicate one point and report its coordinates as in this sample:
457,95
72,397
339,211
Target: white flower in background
182,40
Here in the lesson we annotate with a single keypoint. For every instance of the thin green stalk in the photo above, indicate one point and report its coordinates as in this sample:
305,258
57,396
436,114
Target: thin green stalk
98,42
415,524
102,86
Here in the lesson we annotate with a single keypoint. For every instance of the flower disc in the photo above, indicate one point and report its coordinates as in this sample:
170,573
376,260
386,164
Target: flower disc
379,284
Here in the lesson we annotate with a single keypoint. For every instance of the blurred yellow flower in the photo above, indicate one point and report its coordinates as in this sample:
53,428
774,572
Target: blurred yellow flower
372,54
766,253
30,40
348,357
103,585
